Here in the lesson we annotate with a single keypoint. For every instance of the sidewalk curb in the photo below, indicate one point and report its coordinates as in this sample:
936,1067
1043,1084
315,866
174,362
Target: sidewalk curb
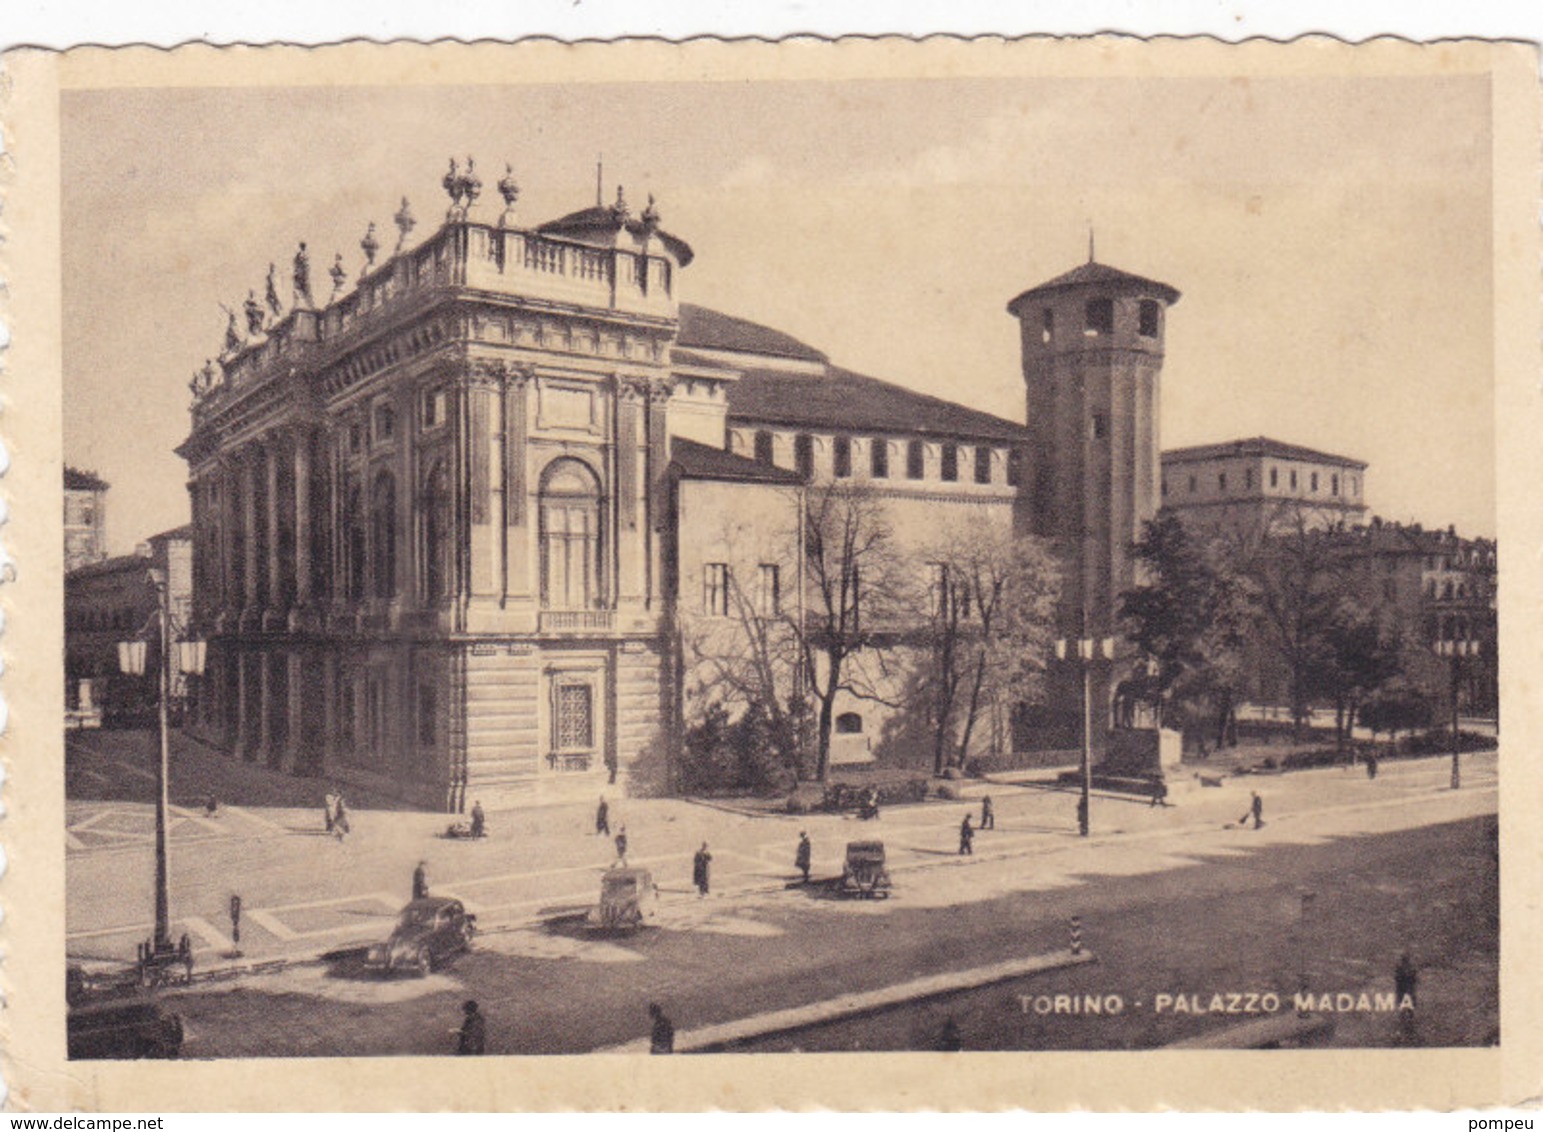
707,1039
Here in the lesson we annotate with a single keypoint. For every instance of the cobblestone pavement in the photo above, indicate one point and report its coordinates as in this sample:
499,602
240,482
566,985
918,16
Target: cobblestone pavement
305,893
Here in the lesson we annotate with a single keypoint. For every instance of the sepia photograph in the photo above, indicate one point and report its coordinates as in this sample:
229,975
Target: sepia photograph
778,554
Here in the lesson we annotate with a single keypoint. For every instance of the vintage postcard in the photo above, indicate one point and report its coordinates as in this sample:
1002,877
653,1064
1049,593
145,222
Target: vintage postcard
949,574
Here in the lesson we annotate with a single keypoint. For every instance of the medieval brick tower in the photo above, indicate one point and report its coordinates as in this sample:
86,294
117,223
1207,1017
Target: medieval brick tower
1092,356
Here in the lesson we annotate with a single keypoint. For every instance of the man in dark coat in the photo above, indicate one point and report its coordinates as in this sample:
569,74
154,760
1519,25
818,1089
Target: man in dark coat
966,838
661,1034
988,813
473,1038
701,865
1256,808
603,818
805,855
420,881
621,844
478,820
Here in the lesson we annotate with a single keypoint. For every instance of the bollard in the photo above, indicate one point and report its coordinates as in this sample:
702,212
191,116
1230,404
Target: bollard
1076,935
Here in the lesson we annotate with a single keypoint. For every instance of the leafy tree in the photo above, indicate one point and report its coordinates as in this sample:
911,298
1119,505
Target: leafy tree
1188,619
1355,659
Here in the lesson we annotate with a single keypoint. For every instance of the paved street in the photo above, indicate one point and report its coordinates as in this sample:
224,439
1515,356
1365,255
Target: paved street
1146,875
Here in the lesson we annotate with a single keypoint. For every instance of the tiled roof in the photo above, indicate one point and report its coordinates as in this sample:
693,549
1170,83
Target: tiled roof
708,329
77,480
844,401
702,462
1259,446
183,533
115,565
1098,274
589,221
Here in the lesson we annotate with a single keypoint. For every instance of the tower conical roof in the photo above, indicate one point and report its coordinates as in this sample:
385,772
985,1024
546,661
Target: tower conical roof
1092,274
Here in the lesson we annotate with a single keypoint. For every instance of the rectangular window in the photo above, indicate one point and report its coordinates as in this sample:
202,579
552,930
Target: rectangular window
435,408
1248,478
878,458
1274,477
983,464
842,457
428,712
1100,317
1149,318
715,589
1221,482
1165,485
1314,481
803,454
950,462
1333,485
1099,427
1293,481
573,720
763,447
385,422
915,460
769,591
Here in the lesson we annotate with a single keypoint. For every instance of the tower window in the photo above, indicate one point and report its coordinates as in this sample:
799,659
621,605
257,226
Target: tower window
1165,485
1149,316
982,464
763,447
803,454
878,458
1314,482
1333,485
915,460
1274,477
842,457
1048,325
1193,484
950,462
1248,478
1221,482
1293,481
1100,317
1099,426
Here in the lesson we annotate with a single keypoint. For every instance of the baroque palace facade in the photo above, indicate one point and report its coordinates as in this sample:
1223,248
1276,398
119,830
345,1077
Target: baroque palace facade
451,522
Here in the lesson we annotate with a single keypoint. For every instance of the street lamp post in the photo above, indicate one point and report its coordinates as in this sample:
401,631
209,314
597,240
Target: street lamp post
1456,650
1085,650
132,660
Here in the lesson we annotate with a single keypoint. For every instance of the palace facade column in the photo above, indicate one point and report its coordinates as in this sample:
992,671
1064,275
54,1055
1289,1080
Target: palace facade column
249,528
303,519
275,556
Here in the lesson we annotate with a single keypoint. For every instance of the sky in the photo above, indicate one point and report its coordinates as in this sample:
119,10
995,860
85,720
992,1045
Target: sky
1331,238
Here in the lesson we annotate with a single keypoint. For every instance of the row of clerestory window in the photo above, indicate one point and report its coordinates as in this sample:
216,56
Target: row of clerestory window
878,458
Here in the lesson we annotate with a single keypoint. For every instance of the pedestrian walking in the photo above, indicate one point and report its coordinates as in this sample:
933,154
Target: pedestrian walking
1255,809
329,808
988,813
473,1034
1371,765
966,838
661,1034
478,820
804,857
1159,792
701,866
1405,979
621,844
421,880
602,819
340,817
211,804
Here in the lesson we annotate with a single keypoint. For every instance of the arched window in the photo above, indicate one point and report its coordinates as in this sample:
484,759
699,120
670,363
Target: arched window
849,723
383,534
354,541
570,536
436,522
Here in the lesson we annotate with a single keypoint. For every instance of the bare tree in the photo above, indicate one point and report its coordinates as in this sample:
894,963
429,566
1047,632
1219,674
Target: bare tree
991,604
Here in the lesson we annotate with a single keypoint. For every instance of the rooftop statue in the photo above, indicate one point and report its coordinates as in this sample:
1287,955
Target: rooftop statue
276,307
303,277
254,311
339,275
233,341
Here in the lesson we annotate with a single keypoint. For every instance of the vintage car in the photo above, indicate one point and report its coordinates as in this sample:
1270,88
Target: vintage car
430,931
864,873
123,1029
628,900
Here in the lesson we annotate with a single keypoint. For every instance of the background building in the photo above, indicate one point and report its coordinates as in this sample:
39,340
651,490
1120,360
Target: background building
85,518
1262,485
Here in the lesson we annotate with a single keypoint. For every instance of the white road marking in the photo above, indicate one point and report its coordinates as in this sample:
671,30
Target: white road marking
271,924
210,934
